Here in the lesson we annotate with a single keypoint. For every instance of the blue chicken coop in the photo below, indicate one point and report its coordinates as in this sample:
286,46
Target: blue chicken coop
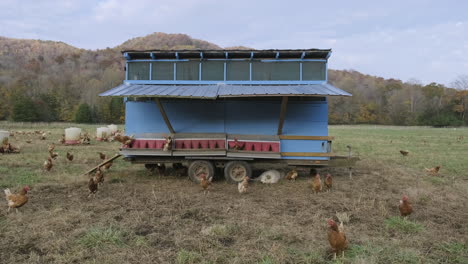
230,109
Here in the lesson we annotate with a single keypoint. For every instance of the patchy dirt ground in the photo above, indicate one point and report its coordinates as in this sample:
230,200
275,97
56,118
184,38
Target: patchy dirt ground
155,219
138,218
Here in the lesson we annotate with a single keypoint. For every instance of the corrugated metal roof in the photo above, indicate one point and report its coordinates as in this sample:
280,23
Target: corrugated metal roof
223,90
280,90
175,91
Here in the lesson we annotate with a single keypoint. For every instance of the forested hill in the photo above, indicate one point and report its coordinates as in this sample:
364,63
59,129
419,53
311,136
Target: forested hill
53,81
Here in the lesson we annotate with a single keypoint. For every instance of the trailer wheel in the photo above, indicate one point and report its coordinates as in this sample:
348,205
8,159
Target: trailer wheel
235,171
197,167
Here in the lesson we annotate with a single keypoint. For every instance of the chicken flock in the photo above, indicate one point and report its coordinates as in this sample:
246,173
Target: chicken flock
336,233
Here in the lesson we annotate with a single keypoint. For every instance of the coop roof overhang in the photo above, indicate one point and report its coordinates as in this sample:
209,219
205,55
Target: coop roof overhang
227,54
222,91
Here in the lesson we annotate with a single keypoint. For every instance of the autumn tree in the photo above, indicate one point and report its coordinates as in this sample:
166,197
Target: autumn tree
83,114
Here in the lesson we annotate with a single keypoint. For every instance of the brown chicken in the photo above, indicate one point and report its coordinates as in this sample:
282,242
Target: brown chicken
53,155
48,164
205,182
69,156
92,186
102,155
62,140
99,176
405,206
237,145
292,175
337,238
108,165
125,140
433,171
51,147
404,152
317,183
328,182
17,200
243,185
167,144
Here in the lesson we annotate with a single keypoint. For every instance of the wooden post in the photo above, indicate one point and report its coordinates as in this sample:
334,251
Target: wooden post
163,113
284,108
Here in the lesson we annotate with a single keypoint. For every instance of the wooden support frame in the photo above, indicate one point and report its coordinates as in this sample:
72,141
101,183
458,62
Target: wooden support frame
284,108
164,115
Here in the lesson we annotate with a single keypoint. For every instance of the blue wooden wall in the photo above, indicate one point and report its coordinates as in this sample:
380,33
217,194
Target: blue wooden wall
308,118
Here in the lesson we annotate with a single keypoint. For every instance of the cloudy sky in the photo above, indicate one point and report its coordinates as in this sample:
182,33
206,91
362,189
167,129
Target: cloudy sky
425,40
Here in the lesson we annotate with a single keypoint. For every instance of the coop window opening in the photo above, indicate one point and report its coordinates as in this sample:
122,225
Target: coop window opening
228,70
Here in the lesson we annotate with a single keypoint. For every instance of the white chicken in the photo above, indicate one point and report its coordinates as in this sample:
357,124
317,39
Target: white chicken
270,176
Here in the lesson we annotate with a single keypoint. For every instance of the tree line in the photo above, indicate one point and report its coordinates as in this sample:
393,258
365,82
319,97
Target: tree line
52,81
377,100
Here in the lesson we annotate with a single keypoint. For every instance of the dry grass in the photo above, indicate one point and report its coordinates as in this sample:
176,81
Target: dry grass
139,218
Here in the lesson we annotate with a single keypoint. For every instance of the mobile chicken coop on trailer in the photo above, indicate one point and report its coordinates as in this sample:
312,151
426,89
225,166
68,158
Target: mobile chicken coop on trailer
232,109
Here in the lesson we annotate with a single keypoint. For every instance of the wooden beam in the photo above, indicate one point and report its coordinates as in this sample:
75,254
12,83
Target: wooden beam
102,164
291,137
306,154
284,108
164,115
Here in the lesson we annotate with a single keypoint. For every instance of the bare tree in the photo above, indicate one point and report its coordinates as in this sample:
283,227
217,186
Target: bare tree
461,84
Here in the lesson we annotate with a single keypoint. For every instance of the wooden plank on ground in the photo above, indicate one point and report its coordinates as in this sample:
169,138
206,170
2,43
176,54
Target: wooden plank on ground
103,163
294,137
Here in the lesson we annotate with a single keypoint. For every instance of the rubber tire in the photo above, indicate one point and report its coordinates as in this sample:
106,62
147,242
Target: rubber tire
196,164
236,163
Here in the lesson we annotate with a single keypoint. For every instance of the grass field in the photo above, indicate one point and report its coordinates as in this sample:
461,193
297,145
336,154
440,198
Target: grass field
141,218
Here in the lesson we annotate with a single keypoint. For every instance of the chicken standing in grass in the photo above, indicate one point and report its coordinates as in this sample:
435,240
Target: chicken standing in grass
92,186
205,182
69,156
317,183
433,171
17,200
99,176
53,155
62,140
242,186
48,164
336,238
404,152
405,206
51,148
328,182
292,175
102,156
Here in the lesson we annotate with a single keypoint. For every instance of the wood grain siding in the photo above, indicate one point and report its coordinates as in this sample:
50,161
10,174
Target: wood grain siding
291,137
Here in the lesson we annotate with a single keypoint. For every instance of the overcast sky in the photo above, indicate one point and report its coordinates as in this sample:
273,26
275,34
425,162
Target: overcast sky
403,39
